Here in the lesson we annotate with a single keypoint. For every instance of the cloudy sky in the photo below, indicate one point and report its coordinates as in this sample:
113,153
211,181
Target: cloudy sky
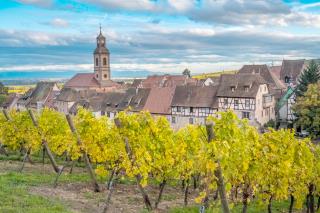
156,35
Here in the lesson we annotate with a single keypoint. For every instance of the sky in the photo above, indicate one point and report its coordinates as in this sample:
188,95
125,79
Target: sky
167,36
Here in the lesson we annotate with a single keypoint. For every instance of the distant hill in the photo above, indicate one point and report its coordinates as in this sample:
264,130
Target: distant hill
214,74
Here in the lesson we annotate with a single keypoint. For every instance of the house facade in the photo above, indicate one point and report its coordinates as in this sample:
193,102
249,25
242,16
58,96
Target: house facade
248,96
192,105
41,96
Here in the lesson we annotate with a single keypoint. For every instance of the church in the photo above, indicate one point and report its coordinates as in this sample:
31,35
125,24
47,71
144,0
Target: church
100,79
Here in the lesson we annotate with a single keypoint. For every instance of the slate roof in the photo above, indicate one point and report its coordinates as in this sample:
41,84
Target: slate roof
195,96
292,69
239,82
159,100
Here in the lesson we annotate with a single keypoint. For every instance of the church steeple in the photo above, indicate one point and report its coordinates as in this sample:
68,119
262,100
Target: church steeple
101,60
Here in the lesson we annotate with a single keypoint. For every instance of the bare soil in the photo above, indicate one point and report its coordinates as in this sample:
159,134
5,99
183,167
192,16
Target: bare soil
80,198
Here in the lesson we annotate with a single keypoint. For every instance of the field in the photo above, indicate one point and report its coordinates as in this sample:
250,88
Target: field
20,89
32,192
214,74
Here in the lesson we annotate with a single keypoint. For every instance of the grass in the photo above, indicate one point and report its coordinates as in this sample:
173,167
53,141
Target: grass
254,207
14,195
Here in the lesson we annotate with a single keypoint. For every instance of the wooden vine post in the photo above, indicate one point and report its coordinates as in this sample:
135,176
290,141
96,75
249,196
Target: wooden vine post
138,177
85,156
54,164
218,174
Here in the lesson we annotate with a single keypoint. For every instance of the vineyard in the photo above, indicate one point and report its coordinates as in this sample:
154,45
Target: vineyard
227,162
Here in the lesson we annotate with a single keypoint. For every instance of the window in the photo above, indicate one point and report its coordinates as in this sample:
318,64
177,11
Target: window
265,88
236,104
233,88
178,109
191,109
97,76
104,61
173,120
108,114
190,120
247,103
246,115
246,88
105,76
225,102
287,79
97,62
103,112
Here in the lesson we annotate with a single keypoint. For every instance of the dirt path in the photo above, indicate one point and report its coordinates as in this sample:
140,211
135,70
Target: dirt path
79,197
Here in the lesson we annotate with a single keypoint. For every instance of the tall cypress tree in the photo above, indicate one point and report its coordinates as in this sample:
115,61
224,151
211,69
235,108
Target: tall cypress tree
310,75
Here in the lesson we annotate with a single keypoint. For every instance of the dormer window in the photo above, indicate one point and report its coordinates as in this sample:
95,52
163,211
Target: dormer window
233,88
246,88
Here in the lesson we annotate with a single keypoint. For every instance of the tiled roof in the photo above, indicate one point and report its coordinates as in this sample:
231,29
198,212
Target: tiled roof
87,80
195,96
83,80
41,92
239,82
275,70
166,81
266,74
71,95
292,69
159,100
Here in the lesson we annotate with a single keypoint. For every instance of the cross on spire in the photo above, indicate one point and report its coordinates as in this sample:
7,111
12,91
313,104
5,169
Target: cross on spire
100,28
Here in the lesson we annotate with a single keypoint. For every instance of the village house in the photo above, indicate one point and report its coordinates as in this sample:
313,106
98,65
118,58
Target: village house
68,96
159,101
41,96
164,81
291,70
276,87
10,102
100,80
133,100
248,96
192,105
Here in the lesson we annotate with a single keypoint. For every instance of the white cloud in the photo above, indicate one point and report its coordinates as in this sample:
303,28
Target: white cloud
58,22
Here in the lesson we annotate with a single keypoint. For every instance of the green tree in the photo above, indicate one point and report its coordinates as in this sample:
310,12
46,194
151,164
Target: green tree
186,72
307,109
3,89
310,75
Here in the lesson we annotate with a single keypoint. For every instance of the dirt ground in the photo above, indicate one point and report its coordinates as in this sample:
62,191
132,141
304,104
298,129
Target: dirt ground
79,196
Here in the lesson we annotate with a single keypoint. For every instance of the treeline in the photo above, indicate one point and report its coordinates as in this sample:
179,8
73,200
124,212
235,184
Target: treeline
227,159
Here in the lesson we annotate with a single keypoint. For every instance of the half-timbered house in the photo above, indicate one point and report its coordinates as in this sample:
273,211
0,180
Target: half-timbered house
248,96
192,105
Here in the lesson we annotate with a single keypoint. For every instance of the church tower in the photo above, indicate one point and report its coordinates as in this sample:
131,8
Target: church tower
101,60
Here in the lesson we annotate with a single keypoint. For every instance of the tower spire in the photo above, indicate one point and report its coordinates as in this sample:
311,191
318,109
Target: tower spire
100,28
